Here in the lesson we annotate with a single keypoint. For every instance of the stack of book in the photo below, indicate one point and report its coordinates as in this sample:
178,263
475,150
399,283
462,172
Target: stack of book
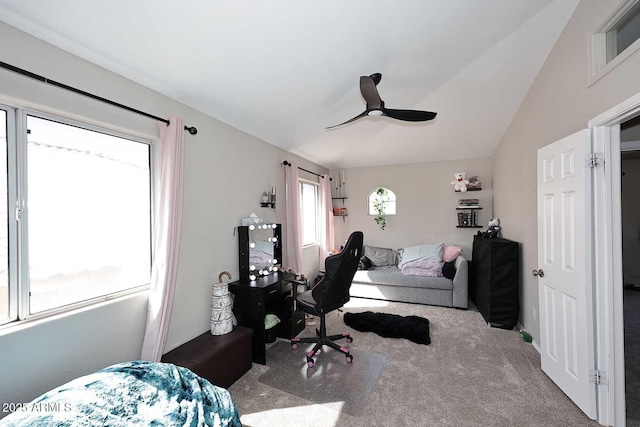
468,203
468,217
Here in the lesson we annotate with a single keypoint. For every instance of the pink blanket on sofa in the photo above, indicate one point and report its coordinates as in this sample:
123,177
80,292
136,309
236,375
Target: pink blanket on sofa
423,268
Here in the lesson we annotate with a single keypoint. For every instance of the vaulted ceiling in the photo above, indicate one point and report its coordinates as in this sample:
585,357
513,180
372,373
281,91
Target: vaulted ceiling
284,70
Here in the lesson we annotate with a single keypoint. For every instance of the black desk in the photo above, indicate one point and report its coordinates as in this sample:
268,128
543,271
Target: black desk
255,299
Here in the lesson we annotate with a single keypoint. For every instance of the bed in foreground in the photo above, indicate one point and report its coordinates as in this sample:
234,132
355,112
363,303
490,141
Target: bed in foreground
130,393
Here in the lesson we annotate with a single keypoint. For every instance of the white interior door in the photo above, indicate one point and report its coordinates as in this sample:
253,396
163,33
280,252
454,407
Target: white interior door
564,284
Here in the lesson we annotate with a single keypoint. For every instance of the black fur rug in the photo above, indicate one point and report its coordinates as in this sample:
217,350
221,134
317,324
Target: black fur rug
413,328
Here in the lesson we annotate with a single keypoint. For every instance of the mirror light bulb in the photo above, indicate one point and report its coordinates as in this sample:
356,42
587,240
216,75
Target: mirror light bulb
252,277
252,227
275,268
252,245
273,225
275,261
252,267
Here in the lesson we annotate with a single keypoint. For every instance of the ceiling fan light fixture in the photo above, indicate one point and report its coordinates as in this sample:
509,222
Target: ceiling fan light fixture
376,108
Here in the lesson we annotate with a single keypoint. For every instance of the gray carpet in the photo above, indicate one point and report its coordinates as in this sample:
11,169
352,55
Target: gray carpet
342,386
470,375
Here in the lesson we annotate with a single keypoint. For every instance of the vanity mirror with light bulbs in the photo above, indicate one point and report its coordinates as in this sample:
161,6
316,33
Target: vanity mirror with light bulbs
264,288
260,250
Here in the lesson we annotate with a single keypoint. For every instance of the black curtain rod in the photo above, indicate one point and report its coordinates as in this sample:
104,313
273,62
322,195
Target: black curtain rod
192,130
286,163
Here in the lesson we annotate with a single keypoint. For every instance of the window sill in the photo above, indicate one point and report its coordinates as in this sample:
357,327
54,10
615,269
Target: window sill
41,319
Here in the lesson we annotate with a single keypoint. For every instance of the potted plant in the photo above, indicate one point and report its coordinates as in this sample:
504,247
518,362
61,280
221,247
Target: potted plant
379,205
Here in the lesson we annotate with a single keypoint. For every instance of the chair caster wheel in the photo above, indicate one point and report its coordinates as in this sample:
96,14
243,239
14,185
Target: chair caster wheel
294,346
310,362
349,340
349,358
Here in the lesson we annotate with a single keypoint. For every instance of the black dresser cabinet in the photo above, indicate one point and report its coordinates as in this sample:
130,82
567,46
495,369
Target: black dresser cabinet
495,272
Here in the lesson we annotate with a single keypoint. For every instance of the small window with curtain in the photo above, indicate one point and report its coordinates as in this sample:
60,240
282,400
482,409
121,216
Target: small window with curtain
309,212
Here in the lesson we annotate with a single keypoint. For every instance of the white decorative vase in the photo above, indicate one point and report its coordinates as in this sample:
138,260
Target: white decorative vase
221,309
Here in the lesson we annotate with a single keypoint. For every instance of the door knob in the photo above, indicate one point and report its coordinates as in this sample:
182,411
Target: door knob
539,273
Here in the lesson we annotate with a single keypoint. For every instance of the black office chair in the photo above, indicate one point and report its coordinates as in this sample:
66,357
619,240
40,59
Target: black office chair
331,293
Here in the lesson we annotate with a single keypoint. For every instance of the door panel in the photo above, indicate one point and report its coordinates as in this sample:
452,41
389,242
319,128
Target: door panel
564,242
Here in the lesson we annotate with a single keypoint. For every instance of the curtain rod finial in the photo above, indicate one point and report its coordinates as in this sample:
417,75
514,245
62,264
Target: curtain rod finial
192,130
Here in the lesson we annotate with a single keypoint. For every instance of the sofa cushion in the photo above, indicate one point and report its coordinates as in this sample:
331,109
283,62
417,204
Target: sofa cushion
392,276
381,257
432,252
449,270
450,253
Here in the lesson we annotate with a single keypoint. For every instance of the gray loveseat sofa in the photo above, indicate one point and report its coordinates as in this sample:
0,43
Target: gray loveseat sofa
386,282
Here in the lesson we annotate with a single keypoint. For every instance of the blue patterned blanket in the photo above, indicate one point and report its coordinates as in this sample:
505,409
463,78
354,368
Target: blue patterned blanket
131,393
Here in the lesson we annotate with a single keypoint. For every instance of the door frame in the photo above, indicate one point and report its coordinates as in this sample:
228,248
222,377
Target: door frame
607,261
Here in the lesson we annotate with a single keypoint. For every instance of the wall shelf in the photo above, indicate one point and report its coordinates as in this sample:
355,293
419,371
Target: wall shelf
343,214
469,189
468,216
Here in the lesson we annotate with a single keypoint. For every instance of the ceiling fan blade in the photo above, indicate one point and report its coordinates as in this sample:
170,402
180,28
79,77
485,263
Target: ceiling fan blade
409,115
370,93
364,113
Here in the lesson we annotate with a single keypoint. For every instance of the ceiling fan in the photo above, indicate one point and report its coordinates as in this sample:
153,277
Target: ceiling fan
375,105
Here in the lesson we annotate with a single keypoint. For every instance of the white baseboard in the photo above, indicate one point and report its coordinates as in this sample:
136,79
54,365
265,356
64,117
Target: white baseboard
533,342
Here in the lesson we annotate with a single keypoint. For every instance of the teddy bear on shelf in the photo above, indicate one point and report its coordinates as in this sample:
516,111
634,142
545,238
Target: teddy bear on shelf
494,228
474,183
460,183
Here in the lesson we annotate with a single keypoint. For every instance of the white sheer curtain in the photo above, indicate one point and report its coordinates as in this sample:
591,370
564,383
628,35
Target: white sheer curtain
293,226
325,219
166,235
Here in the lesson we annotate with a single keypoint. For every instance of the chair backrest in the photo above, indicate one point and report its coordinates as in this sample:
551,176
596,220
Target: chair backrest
332,291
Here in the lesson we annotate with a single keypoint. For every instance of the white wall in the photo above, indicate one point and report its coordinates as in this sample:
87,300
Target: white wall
223,183
558,104
426,203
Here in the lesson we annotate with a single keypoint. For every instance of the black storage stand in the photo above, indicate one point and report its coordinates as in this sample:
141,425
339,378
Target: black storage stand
254,299
495,272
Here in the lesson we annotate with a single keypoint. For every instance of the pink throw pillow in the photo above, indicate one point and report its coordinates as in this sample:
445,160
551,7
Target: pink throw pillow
450,253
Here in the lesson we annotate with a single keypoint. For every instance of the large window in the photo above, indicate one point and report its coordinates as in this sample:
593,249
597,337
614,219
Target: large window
4,232
81,230
309,212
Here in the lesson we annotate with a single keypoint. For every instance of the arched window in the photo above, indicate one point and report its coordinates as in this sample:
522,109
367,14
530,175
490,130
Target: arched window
382,201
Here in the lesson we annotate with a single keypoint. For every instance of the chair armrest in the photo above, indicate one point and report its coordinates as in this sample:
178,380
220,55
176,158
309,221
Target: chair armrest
461,283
